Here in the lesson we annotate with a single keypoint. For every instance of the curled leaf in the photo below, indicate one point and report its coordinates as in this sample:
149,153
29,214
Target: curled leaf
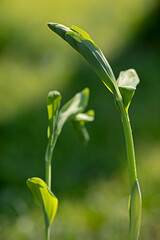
127,83
44,198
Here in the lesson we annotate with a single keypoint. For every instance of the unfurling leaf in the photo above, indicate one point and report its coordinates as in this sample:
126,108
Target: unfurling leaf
74,106
135,211
81,131
127,83
44,198
82,42
78,123
53,104
85,117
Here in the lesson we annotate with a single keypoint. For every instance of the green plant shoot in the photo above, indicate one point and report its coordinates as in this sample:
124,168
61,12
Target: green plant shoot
123,90
72,111
44,198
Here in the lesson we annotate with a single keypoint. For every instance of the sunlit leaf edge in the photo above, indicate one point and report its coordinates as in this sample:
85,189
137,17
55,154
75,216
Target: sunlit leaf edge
36,186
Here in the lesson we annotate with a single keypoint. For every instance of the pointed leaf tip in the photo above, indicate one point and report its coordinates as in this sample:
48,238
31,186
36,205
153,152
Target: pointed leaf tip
86,91
60,29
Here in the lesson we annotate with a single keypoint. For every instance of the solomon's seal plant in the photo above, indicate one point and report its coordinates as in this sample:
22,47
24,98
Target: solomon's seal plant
123,90
72,111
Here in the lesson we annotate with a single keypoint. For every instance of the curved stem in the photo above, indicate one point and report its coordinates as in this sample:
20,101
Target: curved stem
129,145
135,193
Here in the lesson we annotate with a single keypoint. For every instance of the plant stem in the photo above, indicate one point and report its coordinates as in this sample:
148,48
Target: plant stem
135,200
129,145
48,233
48,160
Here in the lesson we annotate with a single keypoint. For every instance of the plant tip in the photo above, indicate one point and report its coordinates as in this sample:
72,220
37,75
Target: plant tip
86,90
51,25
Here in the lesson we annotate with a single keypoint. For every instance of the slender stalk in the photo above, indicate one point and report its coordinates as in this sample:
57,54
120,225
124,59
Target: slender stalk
48,233
135,201
48,160
129,145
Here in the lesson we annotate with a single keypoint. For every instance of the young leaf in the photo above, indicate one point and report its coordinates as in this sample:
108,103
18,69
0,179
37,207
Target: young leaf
53,103
44,198
135,211
81,131
127,83
85,117
82,42
78,123
74,106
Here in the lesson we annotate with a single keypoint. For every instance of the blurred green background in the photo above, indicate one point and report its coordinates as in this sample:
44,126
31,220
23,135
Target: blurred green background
90,182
